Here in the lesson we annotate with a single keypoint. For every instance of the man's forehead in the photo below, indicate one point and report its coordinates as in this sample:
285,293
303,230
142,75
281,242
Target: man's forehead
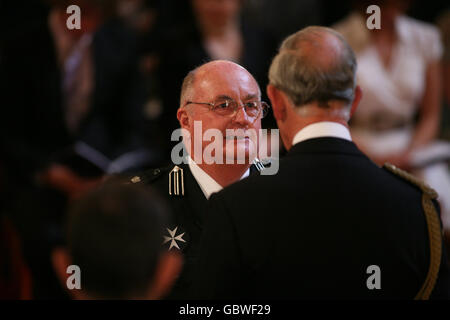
225,80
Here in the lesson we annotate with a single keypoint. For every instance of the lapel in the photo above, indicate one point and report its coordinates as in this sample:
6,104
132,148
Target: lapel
254,170
194,199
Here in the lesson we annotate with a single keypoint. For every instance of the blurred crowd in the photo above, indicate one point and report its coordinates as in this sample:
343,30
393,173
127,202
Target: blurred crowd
81,104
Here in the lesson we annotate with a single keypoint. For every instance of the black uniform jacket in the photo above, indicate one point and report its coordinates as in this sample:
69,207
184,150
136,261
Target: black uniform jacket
189,210
329,225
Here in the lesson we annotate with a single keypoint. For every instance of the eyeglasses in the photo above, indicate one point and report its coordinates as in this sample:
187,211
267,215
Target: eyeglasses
228,108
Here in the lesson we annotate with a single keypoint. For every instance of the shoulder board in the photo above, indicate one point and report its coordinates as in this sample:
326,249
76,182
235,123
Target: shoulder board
411,179
149,176
434,230
260,165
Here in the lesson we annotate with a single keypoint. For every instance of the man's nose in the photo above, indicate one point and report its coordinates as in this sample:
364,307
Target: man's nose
241,116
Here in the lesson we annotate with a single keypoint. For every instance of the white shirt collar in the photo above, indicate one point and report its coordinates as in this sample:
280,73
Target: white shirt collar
205,181
322,129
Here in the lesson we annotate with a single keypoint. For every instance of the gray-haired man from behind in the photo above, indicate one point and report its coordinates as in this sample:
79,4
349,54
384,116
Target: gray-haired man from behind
331,224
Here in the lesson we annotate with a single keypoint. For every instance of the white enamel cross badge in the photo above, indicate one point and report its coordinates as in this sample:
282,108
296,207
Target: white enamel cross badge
174,238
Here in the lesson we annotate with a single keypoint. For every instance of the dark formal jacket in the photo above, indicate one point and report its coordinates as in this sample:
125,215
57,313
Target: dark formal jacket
186,224
32,126
314,230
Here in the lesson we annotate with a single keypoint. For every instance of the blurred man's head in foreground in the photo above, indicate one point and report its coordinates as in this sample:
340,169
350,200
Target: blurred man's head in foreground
114,235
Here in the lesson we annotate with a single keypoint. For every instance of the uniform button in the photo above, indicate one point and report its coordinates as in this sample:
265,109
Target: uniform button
156,172
136,179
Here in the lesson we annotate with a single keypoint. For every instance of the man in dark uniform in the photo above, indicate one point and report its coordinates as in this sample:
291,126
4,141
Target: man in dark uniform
330,224
219,95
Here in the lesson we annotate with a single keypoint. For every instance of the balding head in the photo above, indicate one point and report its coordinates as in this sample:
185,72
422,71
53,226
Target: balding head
205,71
315,64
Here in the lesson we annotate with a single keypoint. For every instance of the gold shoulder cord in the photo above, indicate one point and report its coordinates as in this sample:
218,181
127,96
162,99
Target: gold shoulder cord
434,230
176,179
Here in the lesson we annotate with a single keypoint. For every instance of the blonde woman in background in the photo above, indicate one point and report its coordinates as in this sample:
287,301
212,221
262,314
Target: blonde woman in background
399,71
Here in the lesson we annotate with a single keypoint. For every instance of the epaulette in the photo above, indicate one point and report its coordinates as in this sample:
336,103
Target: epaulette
435,233
148,176
260,165
175,176
411,179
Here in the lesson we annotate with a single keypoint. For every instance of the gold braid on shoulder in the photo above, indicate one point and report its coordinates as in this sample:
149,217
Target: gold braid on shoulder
434,229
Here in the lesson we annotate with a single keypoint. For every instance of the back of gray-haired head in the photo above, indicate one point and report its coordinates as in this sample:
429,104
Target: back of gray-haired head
315,64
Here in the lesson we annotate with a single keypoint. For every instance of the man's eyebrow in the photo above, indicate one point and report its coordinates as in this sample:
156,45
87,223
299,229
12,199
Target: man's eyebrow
223,97
251,96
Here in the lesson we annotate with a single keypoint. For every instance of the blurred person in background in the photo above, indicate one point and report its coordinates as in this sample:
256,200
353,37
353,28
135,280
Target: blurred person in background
399,71
443,22
68,98
212,30
286,17
148,19
114,235
15,277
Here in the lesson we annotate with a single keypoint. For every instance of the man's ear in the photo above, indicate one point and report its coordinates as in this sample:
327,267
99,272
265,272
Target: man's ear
167,271
278,102
183,118
356,100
